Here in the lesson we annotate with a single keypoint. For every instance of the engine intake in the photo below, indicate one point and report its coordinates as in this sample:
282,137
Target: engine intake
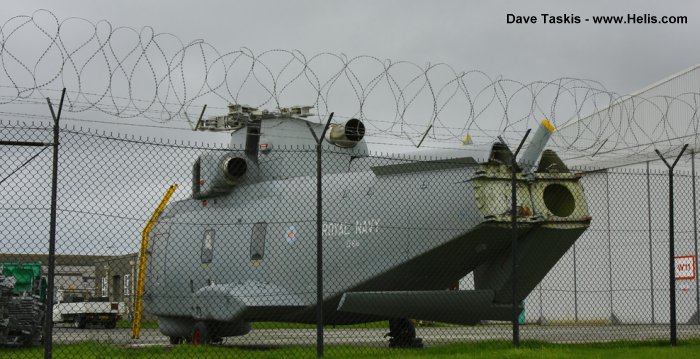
216,174
233,167
346,135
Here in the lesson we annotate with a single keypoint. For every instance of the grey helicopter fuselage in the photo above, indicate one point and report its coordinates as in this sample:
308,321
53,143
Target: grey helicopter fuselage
396,232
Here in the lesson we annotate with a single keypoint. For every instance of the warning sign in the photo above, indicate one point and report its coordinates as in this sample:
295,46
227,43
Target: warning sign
685,267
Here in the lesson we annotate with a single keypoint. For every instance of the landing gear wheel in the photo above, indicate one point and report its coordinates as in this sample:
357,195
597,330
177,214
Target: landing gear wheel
176,340
200,334
402,334
111,324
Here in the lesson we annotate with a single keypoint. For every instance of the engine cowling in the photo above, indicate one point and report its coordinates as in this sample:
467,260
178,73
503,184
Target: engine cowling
347,135
217,173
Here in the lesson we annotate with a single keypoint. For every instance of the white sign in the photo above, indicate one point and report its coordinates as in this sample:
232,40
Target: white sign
105,288
127,284
685,267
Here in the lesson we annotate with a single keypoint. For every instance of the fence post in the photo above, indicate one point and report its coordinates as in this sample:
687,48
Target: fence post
514,240
613,318
541,319
575,288
695,238
671,245
319,243
48,313
651,251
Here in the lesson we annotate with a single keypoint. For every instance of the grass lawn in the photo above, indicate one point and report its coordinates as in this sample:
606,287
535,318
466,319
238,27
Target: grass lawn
493,349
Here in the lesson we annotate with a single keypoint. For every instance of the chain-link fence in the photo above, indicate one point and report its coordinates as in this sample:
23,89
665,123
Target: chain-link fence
419,247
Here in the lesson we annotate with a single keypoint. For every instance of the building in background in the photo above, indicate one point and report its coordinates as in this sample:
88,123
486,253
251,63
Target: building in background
115,278
72,273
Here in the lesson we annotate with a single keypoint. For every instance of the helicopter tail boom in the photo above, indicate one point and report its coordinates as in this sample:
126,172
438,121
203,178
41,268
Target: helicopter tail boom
448,306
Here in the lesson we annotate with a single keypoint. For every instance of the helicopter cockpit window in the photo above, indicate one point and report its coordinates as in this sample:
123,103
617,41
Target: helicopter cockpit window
257,243
208,246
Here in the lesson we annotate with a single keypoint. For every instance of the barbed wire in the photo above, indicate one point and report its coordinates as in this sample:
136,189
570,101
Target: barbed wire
127,73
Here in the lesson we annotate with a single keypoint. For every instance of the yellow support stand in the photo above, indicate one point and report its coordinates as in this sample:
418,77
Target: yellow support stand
140,284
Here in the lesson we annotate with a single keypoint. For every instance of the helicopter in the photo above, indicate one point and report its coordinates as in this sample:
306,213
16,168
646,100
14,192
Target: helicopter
397,233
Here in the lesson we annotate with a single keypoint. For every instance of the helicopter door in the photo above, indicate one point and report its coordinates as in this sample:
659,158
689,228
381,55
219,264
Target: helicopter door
158,250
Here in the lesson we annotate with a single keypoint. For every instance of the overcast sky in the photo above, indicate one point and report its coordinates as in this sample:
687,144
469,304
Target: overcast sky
465,34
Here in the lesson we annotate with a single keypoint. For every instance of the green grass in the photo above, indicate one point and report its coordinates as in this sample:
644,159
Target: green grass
482,350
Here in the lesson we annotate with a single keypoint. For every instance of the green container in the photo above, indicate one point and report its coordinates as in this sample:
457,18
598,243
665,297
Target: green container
27,275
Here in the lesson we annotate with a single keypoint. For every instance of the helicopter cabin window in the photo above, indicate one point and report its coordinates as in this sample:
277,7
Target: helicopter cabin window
257,243
208,246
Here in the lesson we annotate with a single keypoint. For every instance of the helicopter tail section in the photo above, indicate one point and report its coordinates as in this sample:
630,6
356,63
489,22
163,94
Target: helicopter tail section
448,306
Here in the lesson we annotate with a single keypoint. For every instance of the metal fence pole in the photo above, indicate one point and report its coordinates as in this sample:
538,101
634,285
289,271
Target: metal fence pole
514,241
695,238
48,313
671,254
607,213
575,288
671,245
319,243
541,319
651,251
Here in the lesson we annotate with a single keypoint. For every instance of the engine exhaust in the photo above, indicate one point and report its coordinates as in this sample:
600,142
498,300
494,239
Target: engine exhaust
346,135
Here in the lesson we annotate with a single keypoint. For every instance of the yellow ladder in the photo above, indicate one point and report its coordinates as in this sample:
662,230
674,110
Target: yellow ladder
140,284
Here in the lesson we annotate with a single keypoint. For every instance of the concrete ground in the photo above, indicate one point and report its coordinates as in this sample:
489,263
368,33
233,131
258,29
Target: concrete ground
375,336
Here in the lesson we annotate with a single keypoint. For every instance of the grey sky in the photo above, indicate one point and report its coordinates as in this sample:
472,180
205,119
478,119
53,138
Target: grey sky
465,34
